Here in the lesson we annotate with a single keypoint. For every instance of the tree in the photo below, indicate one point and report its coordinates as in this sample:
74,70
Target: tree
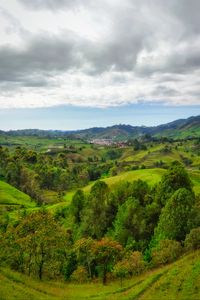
121,269
95,218
83,250
175,216
192,240
175,178
106,252
77,205
139,189
131,264
166,251
39,243
129,222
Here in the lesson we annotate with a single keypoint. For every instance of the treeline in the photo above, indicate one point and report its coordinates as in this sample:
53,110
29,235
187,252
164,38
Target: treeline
106,233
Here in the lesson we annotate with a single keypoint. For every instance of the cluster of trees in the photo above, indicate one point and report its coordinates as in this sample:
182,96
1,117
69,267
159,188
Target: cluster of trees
120,231
32,172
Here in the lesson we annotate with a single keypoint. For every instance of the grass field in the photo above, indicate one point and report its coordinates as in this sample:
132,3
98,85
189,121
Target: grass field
178,281
9,195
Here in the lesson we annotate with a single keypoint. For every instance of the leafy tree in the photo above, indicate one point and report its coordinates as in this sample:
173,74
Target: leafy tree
192,240
106,253
129,222
95,218
77,205
121,269
38,244
139,189
175,178
84,254
175,216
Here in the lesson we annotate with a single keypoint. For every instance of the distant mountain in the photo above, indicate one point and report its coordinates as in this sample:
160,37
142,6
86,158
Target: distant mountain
177,129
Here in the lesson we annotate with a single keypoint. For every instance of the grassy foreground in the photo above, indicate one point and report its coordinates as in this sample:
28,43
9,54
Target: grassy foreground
180,281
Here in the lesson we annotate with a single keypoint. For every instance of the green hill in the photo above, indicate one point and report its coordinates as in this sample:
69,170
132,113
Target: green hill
180,280
9,195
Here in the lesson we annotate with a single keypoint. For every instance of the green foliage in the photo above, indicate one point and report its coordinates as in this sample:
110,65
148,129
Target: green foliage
77,205
175,178
95,217
192,240
35,246
166,252
106,253
175,216
80,275
130,221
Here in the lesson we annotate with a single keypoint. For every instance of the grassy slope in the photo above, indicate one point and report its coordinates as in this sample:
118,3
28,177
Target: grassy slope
9,195
152,176
180,281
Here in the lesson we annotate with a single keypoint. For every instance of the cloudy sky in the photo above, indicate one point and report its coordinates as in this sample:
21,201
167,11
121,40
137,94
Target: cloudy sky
100,55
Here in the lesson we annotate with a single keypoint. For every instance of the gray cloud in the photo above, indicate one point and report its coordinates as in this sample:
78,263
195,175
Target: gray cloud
143,38
51,4
42,57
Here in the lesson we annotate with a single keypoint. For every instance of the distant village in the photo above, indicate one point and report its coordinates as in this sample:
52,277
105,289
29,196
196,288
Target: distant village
108,142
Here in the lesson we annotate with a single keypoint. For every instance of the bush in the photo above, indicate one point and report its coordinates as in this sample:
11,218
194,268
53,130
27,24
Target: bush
132,264
192,240
80,275
166,252
136,263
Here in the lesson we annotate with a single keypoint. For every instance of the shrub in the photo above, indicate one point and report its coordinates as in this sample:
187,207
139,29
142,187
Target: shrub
132,264
136,262
192,240
166,252
80,275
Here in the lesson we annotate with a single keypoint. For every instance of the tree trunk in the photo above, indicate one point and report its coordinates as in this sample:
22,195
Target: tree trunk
41,269
104,275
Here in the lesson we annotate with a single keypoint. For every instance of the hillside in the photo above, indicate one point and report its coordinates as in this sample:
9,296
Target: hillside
167,282
11,196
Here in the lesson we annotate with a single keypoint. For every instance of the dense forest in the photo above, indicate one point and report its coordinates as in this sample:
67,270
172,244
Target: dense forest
104,231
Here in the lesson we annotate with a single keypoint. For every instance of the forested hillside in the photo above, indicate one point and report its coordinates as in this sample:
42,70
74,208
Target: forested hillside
90,214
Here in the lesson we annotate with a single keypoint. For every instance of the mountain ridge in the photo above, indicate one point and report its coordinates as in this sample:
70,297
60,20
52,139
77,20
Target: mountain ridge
189,127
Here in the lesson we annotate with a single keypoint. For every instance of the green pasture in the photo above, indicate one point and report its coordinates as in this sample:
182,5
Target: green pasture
180,280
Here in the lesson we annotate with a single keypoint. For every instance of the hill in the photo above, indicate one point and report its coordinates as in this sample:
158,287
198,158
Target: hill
177,129
167,282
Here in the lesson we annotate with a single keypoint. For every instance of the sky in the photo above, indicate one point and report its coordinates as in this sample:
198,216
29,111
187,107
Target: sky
70,64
